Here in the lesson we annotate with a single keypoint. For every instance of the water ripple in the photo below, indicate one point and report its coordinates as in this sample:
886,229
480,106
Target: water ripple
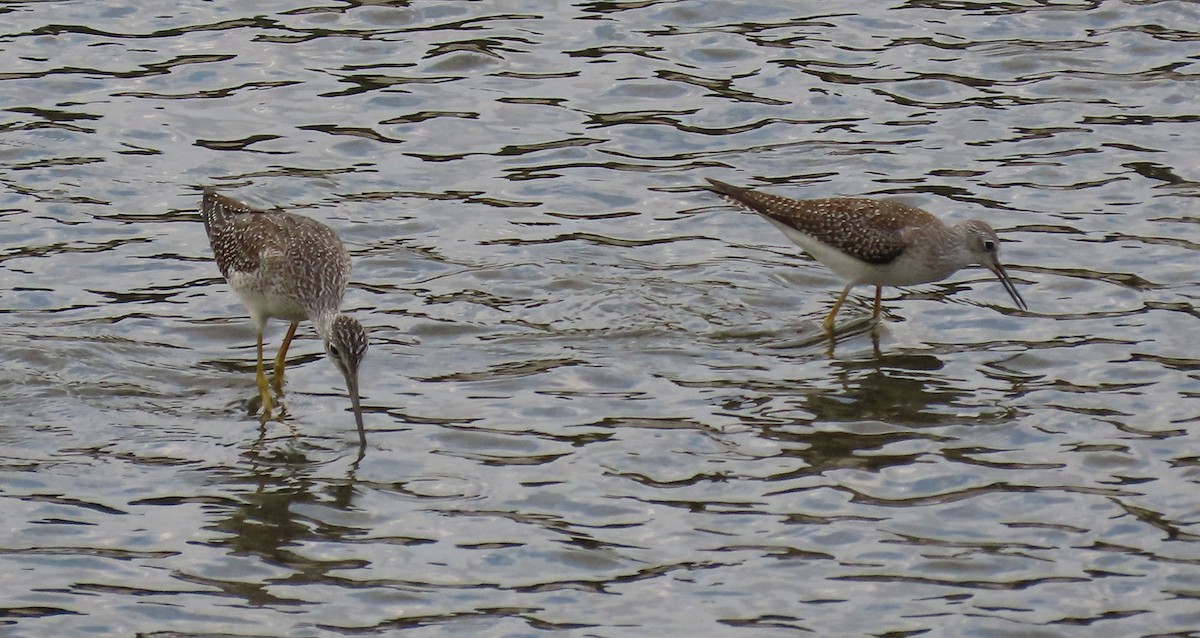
598,399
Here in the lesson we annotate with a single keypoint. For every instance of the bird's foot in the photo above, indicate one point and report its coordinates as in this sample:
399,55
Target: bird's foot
263,400
256,405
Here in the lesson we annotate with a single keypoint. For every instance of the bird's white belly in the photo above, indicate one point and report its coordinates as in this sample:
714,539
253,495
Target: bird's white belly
263,300
905,270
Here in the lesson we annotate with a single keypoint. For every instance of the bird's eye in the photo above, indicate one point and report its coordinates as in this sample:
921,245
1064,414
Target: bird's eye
333,350
989,245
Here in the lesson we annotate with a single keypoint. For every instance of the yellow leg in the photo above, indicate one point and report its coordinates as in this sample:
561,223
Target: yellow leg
878,294
264,389
828,323
281,358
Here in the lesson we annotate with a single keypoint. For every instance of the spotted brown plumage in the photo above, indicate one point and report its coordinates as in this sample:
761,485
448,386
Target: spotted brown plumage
290,267
877,242
299,262
870,230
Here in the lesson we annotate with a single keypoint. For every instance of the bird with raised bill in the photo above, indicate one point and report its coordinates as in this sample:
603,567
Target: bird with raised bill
876,242
286,266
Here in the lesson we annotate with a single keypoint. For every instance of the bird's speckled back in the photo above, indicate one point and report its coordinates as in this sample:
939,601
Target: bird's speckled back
296,264
873,231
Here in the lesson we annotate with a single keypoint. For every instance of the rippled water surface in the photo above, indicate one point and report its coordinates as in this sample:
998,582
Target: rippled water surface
598,398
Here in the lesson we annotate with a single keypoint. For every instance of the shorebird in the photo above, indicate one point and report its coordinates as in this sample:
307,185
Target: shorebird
875,242
285,266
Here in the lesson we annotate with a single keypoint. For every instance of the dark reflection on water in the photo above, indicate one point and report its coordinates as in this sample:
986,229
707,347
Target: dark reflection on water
598,400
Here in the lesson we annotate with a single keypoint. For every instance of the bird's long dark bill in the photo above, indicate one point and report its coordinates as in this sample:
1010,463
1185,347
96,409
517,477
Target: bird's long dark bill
352,387
1008,285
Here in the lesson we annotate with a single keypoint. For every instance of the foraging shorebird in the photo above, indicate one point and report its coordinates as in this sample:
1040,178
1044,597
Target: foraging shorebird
880,243
285,266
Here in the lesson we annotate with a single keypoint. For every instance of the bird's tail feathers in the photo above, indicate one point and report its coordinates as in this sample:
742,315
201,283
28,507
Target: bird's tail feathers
218,209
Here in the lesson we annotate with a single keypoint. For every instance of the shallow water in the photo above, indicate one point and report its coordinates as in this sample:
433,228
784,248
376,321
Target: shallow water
599,402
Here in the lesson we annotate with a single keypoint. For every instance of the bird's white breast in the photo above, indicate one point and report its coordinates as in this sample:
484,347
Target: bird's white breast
911,267
262,298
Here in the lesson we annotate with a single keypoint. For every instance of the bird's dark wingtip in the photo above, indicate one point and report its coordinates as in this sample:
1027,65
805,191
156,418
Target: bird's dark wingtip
717,186
209,196
742,197
213,202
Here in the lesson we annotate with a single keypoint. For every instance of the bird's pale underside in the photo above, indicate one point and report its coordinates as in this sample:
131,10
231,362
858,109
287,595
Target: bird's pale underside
289,267
876,242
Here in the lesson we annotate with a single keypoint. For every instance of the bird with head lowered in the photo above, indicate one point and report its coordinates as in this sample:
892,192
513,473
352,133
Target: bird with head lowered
286,266
876,242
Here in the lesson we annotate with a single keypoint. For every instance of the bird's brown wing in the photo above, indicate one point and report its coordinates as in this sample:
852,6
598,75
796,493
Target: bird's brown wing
234,232
870,230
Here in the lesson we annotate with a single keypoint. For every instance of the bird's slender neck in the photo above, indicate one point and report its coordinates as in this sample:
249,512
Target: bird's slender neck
947,248
323,322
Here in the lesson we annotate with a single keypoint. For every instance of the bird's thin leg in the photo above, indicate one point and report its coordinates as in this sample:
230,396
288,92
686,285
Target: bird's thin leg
878,294
828,323
281,358
264,389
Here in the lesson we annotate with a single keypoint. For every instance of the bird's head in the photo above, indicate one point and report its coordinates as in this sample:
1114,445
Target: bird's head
346,347
984,247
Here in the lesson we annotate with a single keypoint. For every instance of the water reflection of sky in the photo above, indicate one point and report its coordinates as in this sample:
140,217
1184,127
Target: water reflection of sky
598,400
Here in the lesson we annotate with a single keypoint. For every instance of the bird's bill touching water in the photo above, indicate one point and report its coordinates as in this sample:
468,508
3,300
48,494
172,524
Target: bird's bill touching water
346,345
352,388
1008,284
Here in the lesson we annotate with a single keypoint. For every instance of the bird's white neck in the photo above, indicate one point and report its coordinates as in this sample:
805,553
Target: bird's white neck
323,322
947,250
